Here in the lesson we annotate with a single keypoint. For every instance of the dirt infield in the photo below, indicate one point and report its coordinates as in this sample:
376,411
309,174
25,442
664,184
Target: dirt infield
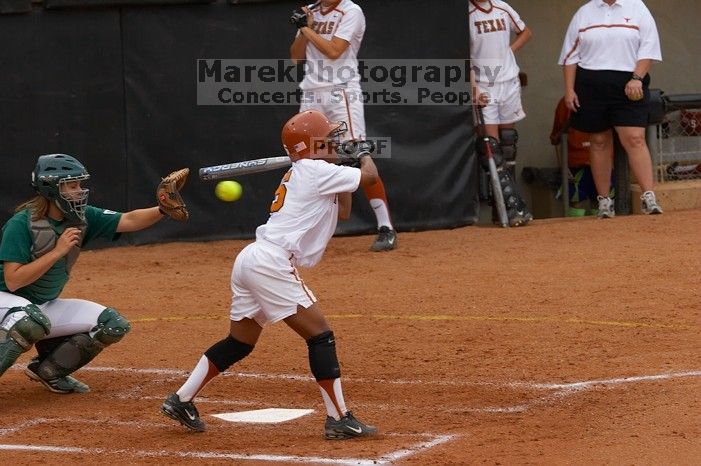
569,341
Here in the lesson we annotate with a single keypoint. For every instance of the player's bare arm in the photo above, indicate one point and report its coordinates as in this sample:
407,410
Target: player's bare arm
345,202
333,48
138,219
571,99
521,39
368,171
20,275
298,49
634,87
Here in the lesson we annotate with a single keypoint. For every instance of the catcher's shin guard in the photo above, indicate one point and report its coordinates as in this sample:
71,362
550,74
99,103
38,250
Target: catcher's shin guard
516,209
60,358
508,142
28,326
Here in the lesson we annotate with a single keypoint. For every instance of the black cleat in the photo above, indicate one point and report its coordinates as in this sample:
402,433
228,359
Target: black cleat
347,427
386,240
184,412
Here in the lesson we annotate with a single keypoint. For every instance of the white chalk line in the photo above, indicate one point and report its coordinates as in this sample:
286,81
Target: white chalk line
304,378
558,391
432,441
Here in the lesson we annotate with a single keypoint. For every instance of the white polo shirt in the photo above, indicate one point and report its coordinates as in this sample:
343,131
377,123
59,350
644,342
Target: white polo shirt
491,25
611,37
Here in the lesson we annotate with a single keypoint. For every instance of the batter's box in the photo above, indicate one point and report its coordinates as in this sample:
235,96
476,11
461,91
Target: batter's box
71,439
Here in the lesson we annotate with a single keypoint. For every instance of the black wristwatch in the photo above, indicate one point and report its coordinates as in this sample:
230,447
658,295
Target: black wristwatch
636,77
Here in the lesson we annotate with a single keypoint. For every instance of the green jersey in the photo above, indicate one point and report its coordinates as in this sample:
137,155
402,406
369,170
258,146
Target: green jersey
17,245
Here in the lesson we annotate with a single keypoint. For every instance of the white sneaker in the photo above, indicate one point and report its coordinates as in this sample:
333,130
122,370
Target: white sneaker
649,204
605,207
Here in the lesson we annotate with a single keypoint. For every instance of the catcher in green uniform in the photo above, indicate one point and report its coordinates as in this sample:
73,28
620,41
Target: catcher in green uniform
39,246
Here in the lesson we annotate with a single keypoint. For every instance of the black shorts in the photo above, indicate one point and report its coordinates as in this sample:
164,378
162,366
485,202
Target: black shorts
603,101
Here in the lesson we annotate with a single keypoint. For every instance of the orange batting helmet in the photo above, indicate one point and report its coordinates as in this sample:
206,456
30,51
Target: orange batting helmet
307,136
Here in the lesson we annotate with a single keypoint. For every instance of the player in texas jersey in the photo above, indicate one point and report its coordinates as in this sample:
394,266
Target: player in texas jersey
266,285
40,244
492,25
497,88
329,43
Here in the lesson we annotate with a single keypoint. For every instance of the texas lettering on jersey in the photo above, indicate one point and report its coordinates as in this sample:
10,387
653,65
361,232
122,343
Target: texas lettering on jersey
324,27
491,25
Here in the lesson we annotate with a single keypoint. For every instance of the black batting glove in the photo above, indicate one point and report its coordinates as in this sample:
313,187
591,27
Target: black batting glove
299,19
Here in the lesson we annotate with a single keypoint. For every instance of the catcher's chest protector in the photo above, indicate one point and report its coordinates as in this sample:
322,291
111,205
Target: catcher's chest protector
44,240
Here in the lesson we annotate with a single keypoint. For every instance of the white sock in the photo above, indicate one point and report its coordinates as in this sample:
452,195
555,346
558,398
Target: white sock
381,213
203,372
331,408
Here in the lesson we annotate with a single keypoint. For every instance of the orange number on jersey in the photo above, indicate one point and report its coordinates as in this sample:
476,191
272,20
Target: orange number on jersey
280,193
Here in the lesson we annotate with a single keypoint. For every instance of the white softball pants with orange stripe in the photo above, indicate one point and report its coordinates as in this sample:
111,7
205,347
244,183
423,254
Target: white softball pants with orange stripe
339,104
266,285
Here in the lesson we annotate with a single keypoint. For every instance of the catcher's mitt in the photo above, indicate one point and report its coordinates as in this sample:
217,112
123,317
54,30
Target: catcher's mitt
170,202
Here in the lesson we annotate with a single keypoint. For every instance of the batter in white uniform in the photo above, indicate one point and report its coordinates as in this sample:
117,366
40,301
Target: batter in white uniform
266,285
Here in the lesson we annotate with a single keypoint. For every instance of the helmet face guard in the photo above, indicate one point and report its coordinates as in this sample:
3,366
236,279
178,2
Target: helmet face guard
73,203
54,171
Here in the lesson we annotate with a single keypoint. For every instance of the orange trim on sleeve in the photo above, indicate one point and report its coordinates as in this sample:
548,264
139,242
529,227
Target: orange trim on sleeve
512,18
574,47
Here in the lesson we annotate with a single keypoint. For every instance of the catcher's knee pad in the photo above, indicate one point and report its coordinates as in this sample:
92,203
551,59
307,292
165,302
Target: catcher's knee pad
485,145
322,356
29,327
508,139
226,352
69,355
111,327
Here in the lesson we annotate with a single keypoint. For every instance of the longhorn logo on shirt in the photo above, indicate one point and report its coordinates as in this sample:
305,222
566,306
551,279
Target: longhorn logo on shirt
490,25
627,19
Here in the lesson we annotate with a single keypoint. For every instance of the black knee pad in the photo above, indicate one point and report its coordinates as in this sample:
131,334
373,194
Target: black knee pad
322,356
485,145
508,141
226,352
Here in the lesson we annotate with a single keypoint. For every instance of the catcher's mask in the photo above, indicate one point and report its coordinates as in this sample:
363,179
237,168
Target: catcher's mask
55,170
310,135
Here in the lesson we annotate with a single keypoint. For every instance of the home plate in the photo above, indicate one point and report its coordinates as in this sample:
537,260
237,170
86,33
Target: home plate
265,416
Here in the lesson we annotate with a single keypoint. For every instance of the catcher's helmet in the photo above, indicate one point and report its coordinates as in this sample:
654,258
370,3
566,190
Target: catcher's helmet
310,135
50,172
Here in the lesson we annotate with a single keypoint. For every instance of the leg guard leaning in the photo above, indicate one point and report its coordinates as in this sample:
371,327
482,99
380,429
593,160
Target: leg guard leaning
78,350
20,337
516,209
322,356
